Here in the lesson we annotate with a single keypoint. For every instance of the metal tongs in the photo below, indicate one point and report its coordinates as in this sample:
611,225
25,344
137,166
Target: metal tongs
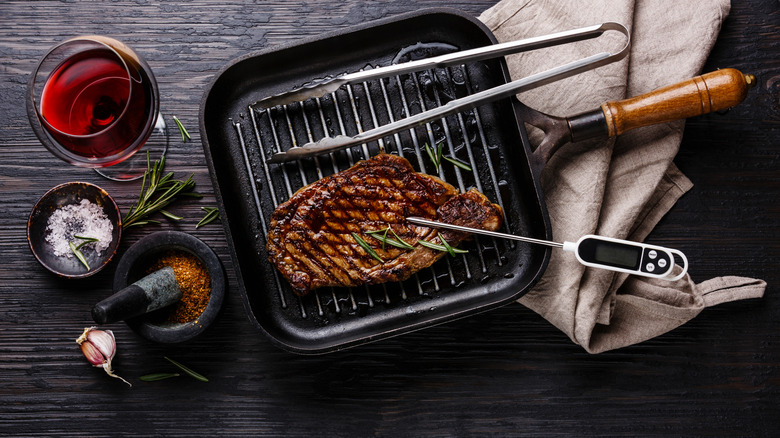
319,89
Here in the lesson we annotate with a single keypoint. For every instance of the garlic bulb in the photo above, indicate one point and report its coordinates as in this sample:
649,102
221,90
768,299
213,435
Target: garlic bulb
99,347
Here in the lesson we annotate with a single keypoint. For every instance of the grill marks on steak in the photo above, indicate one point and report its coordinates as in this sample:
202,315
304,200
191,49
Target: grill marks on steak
310,239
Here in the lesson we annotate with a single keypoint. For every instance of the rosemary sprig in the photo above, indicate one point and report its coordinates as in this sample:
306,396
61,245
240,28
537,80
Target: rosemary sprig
212,213
158,376
408,246
182,129
76,249
161,191
384,237
397,242
456,162
381,235
367,248
435,157
187,370
170,215
86,240
445,247
78,254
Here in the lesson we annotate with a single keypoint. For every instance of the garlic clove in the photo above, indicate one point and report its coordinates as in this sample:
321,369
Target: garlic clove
93,354
99,347
104,341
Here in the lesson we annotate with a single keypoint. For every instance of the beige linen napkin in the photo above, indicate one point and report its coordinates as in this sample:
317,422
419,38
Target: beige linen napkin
615,188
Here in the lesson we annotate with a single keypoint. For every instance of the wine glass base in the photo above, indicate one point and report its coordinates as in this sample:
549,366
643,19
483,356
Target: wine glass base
134,167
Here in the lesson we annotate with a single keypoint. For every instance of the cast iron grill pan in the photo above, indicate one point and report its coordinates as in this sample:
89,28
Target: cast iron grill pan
238,139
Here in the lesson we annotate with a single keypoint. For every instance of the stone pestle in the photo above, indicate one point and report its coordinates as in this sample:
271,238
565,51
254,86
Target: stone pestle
155,291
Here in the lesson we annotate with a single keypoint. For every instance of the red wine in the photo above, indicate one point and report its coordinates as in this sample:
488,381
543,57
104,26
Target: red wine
96,110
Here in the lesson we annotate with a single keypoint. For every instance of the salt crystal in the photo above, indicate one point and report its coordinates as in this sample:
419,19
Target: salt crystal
85,219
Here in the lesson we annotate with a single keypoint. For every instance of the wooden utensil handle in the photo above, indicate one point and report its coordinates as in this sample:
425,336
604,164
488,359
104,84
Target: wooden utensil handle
709,92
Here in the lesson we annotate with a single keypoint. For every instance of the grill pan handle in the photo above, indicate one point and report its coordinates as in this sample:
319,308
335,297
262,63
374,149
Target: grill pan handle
715,91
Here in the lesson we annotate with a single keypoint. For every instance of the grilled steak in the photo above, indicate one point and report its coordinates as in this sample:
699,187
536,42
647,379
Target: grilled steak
310,239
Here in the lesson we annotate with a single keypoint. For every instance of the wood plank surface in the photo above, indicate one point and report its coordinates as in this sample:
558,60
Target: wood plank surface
507,372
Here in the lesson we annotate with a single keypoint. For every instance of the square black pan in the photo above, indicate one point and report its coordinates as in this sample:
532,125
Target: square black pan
492,274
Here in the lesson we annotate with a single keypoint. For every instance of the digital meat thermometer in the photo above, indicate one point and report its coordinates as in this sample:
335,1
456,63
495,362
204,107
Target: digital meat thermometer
597,251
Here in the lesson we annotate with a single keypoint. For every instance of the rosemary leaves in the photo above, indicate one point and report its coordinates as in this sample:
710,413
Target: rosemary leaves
187,370
162,376
366,247
397,242
212,213
184,134
160,191
444,247
76,250
382,236
437,157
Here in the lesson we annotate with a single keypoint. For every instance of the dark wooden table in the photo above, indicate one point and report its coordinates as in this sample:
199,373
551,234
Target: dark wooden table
506,372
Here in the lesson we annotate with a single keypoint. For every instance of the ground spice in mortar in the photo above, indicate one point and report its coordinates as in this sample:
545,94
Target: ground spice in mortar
194,282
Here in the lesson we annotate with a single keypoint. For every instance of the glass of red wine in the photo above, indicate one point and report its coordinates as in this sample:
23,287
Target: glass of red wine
93,102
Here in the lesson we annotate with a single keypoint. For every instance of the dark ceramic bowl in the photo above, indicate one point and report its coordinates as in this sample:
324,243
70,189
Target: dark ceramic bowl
133,265
58,197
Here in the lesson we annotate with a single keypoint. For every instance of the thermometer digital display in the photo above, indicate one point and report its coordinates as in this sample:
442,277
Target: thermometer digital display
610,253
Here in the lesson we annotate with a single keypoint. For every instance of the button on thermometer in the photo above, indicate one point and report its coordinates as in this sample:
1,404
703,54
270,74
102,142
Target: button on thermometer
598,252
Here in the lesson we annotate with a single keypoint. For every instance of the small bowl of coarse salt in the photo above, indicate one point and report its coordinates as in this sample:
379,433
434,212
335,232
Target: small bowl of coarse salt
74,229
